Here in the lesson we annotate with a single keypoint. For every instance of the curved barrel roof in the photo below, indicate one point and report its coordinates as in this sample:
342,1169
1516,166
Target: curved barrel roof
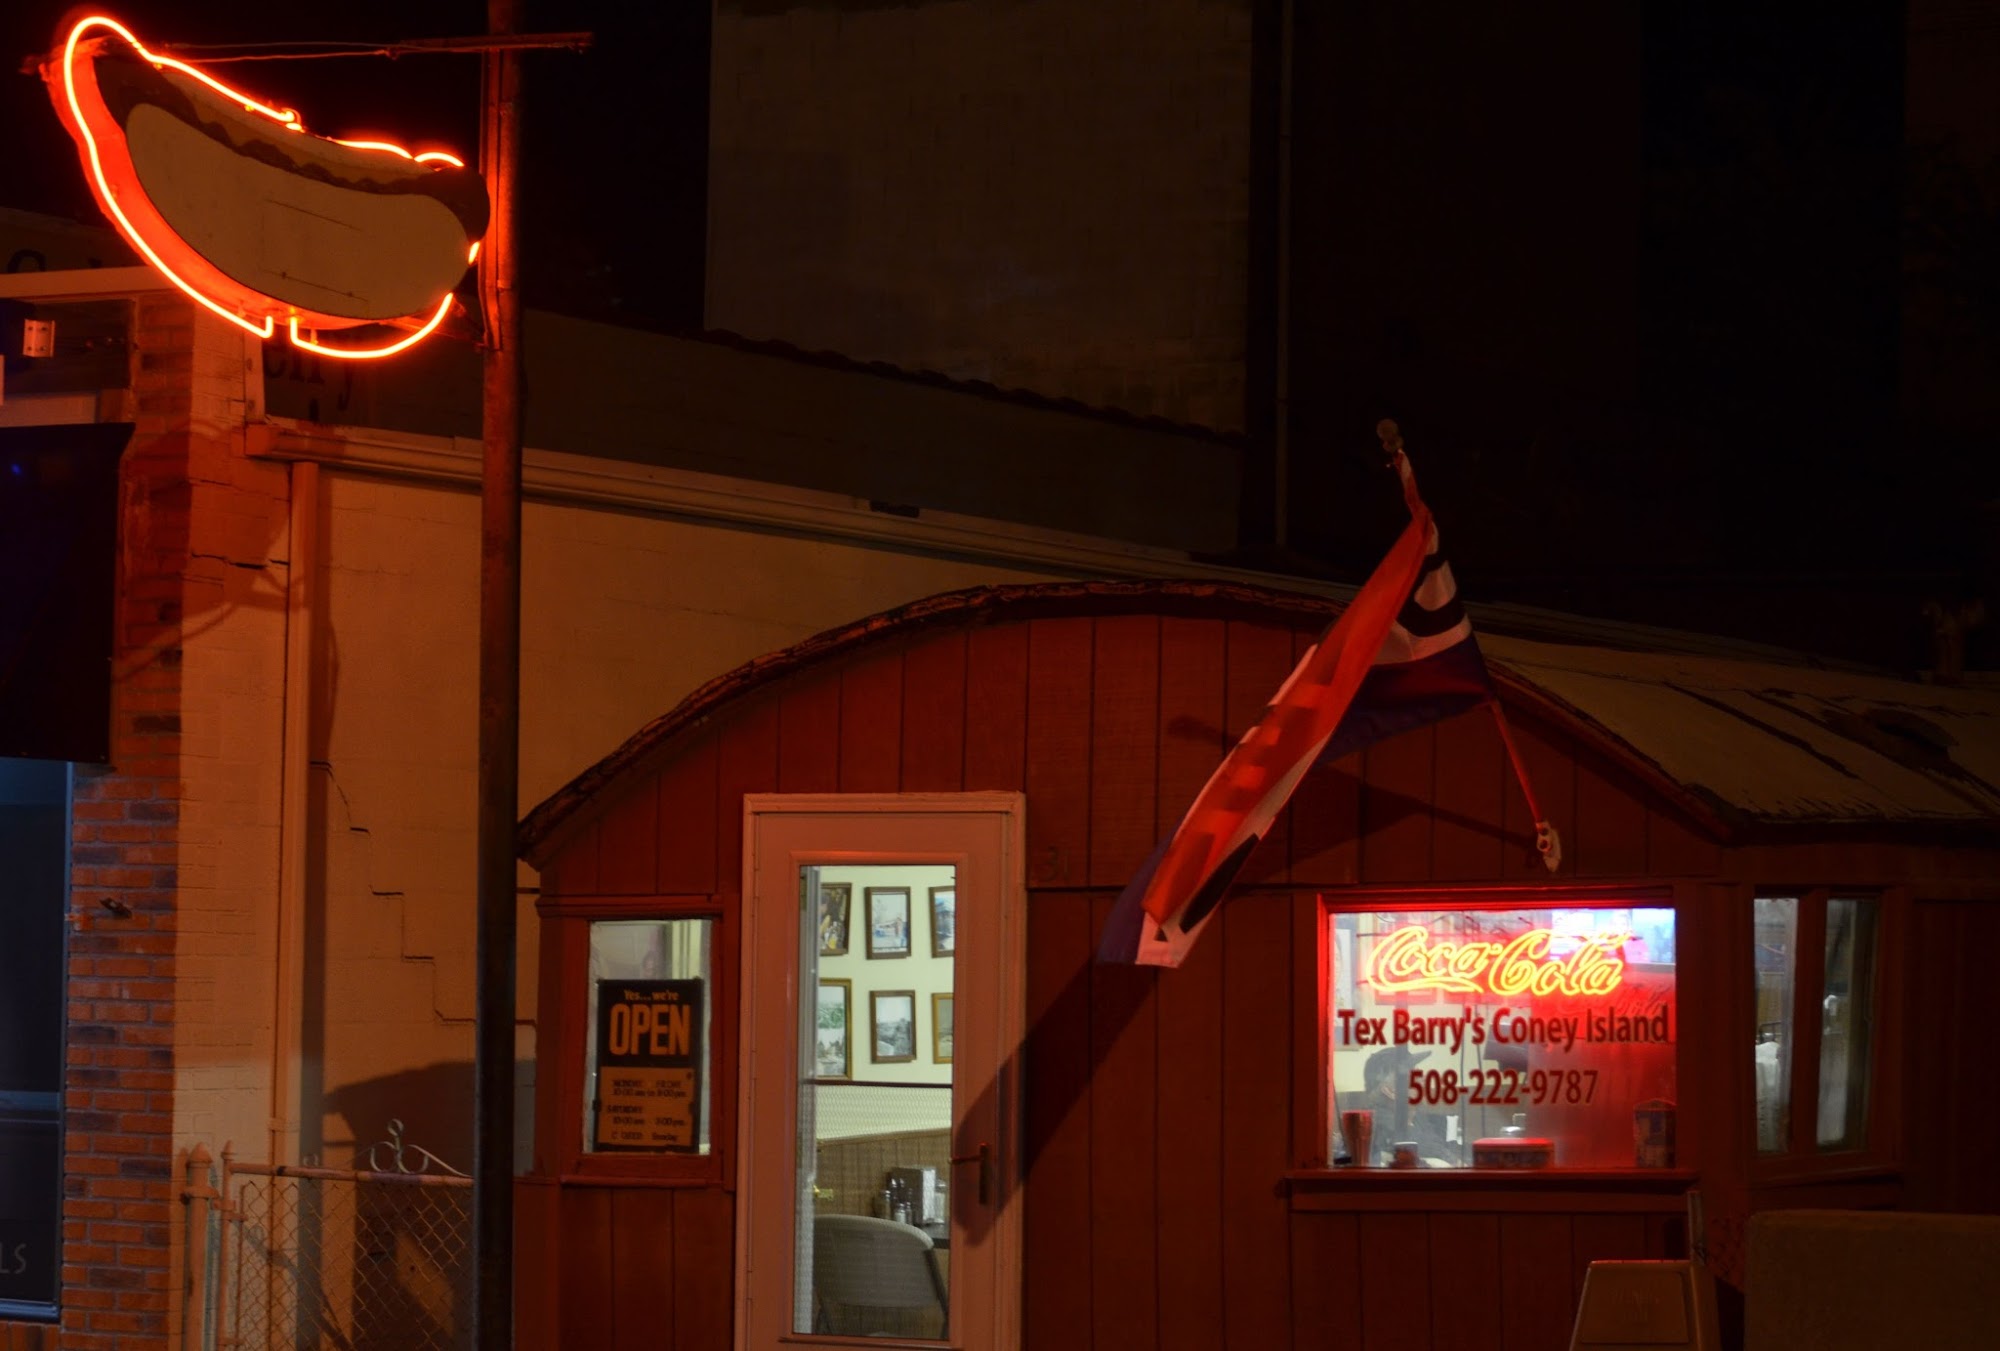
1744,742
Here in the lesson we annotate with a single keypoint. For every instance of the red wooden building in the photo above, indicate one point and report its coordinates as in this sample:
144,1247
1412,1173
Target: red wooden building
1134,1158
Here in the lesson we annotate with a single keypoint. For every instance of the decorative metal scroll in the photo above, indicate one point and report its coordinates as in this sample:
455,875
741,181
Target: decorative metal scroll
404,1157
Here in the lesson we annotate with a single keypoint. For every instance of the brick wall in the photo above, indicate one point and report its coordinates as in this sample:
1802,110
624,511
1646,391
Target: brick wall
118,1193
1043,194
28,1337
160,926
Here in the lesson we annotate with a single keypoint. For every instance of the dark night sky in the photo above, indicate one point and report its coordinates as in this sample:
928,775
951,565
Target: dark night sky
614,140
1746,394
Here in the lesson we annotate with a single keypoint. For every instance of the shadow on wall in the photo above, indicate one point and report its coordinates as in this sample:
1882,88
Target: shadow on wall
409,1250
434,1105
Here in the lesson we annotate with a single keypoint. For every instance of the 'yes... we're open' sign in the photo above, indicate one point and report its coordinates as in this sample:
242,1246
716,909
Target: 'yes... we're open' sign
648,1065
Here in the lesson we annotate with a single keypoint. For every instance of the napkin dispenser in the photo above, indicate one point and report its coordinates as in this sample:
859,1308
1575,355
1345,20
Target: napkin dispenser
920,1187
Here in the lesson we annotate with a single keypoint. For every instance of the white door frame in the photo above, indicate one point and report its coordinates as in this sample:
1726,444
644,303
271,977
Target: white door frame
994,1329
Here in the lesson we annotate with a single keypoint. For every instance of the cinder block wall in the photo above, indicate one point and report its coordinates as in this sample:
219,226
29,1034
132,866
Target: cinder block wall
1038,193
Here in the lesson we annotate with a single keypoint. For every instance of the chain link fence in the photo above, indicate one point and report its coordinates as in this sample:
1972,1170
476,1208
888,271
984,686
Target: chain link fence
324,1259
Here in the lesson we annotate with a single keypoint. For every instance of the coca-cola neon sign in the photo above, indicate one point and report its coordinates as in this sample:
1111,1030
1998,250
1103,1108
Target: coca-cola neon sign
1411,959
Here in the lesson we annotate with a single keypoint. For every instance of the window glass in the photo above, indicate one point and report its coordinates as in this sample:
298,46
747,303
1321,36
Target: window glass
1775,921
1846,1022
646,1048
878,944
34,851
1522,1037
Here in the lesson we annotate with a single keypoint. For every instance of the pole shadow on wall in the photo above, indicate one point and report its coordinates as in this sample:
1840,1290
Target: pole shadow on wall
409,1238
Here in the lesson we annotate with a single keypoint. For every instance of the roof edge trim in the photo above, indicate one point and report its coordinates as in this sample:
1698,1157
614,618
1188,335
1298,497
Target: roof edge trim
547,826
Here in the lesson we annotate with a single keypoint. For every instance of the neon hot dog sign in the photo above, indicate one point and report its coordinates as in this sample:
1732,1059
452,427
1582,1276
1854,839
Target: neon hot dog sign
263,224
1411,959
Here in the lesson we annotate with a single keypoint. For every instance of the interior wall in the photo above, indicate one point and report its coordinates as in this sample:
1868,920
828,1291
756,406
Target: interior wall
920,972
867,1110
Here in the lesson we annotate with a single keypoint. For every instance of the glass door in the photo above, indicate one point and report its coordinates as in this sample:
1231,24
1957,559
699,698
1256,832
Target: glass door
871,1220
883,994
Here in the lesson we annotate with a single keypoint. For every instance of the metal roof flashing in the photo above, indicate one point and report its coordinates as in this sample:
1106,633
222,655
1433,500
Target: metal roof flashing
1783,745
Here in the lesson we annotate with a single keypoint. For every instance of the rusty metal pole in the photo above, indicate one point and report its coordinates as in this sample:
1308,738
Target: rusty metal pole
499,702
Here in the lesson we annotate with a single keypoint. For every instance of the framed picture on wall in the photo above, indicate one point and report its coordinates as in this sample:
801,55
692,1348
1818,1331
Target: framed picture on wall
941,1028
831,1057
944,921
888,921
833,914
892,1025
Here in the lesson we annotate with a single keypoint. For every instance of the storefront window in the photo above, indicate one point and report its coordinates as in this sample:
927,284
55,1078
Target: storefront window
1485,1037
646,1048
1815,1020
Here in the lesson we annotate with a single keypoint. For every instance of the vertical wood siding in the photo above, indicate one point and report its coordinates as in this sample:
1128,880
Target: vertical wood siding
1124,747
1259,657
934,717
1160,1111
1188,1141
1124,1182
1059,748
1455,1280
690,807
1056,1108
1952,1097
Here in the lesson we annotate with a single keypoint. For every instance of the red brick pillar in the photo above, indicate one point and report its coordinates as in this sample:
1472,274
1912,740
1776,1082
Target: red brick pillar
118,1174
28,1337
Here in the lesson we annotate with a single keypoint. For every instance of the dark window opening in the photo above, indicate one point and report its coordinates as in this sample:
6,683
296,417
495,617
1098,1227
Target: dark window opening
34,830
58,556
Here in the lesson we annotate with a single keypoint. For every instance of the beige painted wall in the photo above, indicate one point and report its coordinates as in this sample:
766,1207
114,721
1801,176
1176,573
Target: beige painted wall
622,616
225,626
232,649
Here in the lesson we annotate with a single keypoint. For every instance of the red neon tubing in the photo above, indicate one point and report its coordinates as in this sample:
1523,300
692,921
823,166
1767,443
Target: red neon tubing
285,117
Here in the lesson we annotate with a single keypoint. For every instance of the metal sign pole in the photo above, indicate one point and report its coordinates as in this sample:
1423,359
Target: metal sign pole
499,702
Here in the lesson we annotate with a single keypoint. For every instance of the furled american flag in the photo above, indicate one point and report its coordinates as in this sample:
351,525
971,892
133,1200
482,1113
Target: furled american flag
1399,656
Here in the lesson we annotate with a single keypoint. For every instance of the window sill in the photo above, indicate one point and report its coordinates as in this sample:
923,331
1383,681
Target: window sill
642,1170
27,1311
1775,1171
1656,1190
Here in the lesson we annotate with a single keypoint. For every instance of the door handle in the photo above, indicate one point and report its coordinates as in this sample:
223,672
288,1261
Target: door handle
982,1158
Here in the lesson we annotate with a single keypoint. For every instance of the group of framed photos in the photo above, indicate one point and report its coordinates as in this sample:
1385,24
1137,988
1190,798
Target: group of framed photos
892,1028
886,926
887,933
